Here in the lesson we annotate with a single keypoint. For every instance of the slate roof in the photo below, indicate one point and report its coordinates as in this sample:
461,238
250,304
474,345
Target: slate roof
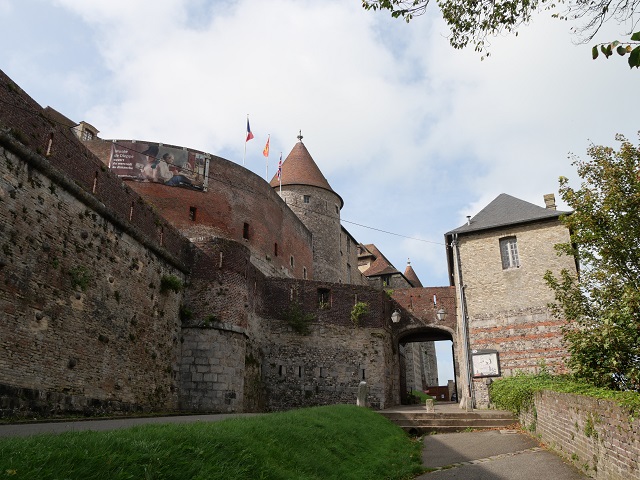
299,168
506,210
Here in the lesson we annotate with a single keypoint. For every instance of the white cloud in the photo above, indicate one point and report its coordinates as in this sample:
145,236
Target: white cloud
412,134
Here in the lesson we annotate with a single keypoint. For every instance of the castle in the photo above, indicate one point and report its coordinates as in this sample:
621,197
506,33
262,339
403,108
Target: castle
139,276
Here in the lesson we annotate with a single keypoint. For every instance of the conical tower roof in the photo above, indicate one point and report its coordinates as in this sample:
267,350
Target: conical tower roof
411,276
299,168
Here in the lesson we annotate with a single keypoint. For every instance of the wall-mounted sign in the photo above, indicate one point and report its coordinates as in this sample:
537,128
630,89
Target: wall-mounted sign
153,162
486,363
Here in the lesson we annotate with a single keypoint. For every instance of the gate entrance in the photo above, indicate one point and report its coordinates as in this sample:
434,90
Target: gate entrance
425,355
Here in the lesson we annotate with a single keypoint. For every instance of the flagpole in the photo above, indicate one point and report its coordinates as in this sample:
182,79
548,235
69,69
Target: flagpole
267,161
245,142
280,176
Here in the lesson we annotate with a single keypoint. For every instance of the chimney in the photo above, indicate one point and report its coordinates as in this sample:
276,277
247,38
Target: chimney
468,219
550,201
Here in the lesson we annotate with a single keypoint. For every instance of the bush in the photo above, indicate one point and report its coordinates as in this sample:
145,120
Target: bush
170,282
516,393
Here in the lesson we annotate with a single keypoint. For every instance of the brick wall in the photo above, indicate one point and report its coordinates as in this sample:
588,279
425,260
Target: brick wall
597,436
235,197
85,326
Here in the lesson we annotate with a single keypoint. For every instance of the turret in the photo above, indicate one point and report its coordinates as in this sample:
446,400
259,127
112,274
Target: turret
308,193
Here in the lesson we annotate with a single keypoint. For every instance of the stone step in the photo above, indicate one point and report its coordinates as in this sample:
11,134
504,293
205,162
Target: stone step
495,415
418,423
453,422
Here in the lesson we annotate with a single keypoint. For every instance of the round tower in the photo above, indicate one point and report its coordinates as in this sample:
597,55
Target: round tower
307,192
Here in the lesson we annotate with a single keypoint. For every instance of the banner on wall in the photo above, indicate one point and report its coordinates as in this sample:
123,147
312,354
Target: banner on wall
153,162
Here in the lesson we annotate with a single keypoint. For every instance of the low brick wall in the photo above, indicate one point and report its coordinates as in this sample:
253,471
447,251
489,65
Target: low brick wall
597,436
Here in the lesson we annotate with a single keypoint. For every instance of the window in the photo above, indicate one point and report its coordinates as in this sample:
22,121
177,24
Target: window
192,213
275,249
291,260
324,296
245,231
509,253
306,199
304,273
87,135
386,280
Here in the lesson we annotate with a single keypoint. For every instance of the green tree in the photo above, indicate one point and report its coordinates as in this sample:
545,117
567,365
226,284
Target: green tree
602,304
473,21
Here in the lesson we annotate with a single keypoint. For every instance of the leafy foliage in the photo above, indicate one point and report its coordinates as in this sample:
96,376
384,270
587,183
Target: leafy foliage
170,282
602,306
80,277
297,319
473,21
622,50
359,310
516,393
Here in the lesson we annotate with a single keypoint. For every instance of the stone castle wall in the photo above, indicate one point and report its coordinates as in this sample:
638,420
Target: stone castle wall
322,217
235,197
86,326
489,288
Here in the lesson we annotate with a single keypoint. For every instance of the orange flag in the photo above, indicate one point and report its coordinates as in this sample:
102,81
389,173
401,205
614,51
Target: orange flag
265,152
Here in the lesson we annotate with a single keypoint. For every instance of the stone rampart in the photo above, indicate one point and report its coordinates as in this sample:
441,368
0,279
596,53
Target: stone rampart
86,325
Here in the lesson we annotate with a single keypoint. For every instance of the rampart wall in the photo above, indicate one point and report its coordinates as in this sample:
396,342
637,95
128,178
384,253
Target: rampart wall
85,324
238,205
90,322
598,436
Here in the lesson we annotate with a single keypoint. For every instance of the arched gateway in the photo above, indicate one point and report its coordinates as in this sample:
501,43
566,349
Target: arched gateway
426,315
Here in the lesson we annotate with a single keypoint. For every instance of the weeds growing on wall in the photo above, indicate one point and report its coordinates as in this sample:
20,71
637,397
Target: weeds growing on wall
80,277
358,311
297,319
170,282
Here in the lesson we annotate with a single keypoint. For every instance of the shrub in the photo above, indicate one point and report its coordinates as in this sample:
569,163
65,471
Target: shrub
297,319
170,282
359,310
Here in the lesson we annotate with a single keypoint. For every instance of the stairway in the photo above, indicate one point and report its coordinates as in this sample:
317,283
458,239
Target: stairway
416,421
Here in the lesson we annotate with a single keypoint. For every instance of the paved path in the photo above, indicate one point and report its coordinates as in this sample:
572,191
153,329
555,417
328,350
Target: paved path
102,425
492,455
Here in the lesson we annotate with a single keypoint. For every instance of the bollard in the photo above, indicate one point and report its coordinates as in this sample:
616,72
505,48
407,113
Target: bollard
361,401
429,406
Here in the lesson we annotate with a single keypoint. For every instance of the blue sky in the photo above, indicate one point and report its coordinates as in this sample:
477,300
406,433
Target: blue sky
413,134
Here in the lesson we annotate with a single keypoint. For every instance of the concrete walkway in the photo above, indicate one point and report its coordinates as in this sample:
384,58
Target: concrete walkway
500,454
103,425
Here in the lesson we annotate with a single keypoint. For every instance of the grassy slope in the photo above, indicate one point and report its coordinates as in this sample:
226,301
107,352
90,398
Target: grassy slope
336,442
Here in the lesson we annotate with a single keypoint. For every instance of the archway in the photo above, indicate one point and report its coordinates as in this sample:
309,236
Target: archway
421,353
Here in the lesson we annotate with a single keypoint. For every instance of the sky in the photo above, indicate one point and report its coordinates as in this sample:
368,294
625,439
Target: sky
411,133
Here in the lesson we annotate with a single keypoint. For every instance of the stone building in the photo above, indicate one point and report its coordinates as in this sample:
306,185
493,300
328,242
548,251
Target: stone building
139,276
497,261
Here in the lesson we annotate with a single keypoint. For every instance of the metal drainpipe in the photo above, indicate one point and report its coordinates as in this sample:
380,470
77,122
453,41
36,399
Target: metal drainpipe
465,321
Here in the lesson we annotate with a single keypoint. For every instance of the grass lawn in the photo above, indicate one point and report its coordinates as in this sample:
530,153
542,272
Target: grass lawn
335,442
